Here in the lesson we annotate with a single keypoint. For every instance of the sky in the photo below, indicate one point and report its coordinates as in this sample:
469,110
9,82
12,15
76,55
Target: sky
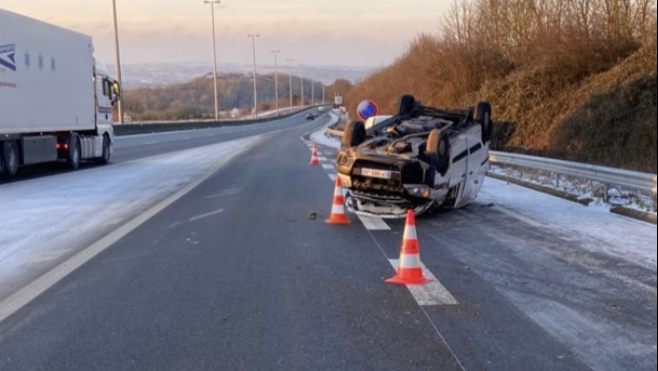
363,33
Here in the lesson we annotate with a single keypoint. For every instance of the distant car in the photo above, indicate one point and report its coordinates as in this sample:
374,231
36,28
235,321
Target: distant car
421,158
311,116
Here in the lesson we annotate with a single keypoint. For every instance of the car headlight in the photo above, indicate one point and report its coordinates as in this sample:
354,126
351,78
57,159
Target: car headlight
418,190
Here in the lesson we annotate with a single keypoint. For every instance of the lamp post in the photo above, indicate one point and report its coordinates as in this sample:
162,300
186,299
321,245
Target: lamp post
253,44
214,53
301,78
312,91
290,82
118,58
276,79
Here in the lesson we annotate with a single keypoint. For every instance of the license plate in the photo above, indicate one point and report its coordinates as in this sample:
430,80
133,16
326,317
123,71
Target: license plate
375,173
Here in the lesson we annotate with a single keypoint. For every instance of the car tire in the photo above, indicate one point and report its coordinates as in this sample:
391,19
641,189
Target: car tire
407,105
355,134
74,152
438,149
482,115
9,161
107,151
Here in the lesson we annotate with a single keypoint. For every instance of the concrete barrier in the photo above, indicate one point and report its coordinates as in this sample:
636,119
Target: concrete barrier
159,127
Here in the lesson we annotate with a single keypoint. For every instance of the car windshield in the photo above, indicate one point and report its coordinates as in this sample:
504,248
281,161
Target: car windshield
305,185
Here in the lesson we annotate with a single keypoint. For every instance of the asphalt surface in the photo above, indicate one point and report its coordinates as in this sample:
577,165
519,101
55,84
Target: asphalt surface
133,147
243,274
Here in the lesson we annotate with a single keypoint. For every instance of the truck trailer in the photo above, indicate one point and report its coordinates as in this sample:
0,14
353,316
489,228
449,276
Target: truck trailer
56,100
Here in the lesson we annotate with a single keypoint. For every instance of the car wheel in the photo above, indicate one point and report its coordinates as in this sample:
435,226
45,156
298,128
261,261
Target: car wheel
407,105
107,151
9,160
73,158
438,148
355,134
482,115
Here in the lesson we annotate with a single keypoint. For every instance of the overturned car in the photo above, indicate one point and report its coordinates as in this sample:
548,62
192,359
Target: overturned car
422,158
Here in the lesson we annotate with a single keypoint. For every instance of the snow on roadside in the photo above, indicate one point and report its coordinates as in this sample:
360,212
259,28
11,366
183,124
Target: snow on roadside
46,219
584,189
598,229
321,138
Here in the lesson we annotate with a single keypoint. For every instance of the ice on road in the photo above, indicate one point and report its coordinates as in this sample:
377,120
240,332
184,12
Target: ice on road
47,219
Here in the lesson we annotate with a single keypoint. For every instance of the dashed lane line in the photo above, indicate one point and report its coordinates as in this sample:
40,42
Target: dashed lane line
373,223
431,293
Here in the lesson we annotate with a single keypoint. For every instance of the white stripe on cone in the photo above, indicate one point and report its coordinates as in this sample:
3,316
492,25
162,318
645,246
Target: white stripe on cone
337,209
410,233
410,261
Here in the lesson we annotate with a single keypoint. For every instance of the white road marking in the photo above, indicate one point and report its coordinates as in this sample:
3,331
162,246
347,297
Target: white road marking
374,223
226,192
328,166
203,216
323,159
432,293
519,216
149,143
332,177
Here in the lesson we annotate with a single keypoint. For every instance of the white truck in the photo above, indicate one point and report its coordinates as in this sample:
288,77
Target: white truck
56,101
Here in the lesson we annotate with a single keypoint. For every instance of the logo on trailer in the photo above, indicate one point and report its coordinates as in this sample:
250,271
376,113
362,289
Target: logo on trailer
8,56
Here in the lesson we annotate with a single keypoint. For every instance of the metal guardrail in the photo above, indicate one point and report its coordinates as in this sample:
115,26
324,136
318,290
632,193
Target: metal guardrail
606,175
610,176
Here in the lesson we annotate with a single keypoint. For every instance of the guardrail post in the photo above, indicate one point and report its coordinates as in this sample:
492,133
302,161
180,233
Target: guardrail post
606,190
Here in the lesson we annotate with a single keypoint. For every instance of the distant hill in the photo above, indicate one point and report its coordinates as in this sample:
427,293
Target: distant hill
144,75
573,80
195,99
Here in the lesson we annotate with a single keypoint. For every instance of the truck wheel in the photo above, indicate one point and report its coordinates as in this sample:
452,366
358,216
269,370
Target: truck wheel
107,152
438,148
10,158
482,115
73,158
407,105
354,134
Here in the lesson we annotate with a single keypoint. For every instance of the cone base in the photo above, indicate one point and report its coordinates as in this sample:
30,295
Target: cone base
315,163
338,219
408,281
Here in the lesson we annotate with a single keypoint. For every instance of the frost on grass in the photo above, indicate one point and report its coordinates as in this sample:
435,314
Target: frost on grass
601,194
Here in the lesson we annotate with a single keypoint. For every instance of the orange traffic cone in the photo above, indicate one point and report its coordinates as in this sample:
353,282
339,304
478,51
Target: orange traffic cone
409,271
338,215
314,156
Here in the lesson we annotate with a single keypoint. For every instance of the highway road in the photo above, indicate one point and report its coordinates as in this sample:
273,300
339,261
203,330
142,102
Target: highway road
242,273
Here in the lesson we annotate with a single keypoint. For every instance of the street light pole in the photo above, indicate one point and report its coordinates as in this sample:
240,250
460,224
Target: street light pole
214,53
276,79
312,91
118,58
253,43
301,78
290,82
